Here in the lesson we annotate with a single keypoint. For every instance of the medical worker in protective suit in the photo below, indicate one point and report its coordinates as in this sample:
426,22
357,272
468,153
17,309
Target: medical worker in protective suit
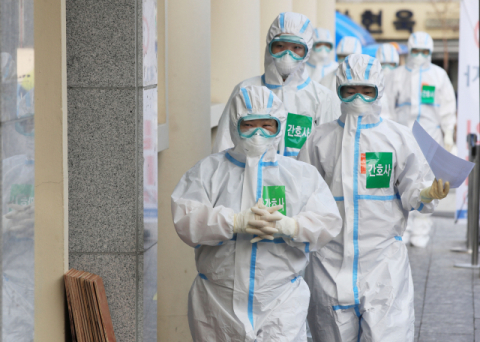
388,57
361,282
421,91
308,104
253,217
345,47
320,62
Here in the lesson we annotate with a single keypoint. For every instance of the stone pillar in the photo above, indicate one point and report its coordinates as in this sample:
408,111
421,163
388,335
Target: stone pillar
326,15
112,81
188,93
308,8
235,45
269,10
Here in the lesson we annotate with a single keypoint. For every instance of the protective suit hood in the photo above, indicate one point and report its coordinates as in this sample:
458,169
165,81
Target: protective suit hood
419,40
255,100
295,24
321,35
361,70
348,46
387,53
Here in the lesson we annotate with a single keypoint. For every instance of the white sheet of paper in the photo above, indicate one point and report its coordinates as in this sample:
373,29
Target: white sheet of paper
444,165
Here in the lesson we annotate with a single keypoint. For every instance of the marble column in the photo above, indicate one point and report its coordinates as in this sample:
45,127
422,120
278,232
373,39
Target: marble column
112,112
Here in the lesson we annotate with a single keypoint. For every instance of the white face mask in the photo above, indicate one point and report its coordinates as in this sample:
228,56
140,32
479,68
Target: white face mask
358,107
255,146
286,65
417,60
324,52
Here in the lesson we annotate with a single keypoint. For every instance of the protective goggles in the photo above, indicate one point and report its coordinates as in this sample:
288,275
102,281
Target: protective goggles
388,66
345,93
252,130
423,53
322,48
289,40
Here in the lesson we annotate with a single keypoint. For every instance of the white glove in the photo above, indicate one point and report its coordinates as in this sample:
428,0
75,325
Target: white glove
249,223
20,219
448,140
284,225
435,191
240,221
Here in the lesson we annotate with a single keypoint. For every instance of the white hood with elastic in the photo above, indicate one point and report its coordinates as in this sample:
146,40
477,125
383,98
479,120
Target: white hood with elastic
387,53
298,25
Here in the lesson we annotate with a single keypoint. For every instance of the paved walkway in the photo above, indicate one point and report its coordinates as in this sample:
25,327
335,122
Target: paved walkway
447,299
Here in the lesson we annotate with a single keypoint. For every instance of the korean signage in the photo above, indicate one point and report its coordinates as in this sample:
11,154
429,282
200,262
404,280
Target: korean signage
298,129
397,20
378,168
275,195
468,90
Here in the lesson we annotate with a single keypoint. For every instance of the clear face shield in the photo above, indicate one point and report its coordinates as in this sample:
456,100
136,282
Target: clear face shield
366,92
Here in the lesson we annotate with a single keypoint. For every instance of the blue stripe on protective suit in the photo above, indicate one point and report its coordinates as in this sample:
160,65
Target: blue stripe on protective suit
270,100
348,72
248,104
282,21
379,198
269,86
234,161
304,27
356,154
420,93
369,66
304,84
251,288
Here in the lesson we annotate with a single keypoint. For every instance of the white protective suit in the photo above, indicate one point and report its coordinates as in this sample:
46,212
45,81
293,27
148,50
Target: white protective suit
346,46
387,53
244,291
361,282
320,63
308,103
423,93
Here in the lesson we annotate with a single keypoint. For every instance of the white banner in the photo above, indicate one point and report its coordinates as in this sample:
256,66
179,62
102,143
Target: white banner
468,90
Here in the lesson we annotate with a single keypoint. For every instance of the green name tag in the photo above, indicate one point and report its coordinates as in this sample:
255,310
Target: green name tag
379,169
428,94
298,129
275,195
22,194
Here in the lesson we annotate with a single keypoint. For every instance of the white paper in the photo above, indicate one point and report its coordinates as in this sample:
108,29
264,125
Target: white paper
444,165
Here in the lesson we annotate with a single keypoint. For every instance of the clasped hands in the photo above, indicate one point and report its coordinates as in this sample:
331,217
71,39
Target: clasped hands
264,222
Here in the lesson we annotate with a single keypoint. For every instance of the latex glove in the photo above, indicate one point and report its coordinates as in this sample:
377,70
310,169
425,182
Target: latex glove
20,218
240,221
448,140
435,191
249,223
265,221
285,226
